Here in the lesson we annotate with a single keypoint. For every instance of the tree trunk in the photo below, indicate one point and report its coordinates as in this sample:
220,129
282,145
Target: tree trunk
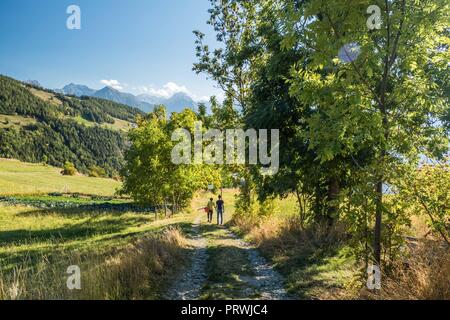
174,205
332,208
302,208
165,207
318,207
378,224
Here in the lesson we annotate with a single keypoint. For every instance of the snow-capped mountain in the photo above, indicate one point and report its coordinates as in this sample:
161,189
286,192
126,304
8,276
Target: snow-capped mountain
145,102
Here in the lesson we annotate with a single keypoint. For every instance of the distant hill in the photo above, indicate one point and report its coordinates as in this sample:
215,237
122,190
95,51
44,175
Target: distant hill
151,99
34,83
38,125
175,103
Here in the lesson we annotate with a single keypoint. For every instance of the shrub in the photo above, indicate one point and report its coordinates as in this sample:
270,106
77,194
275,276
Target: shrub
69,169
426,194
97,172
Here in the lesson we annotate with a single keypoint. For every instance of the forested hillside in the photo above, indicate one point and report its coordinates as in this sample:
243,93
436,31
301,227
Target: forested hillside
56,135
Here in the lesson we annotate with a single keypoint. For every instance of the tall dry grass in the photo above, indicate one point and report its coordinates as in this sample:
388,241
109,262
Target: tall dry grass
313,261
423,275
275,233
139,271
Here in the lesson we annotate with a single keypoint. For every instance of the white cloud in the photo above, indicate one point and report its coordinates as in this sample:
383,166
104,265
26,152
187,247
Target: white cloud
167,90
113,84
203,99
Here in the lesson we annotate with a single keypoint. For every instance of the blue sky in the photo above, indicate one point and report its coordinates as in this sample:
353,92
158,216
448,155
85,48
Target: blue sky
141,44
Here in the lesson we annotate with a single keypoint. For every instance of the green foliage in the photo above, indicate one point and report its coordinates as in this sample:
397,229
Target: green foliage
150,176
384,103
426,192
16,99
350,129
62,140
69,169
97,172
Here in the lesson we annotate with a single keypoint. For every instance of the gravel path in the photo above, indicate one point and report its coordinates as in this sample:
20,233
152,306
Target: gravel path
188,286
266,281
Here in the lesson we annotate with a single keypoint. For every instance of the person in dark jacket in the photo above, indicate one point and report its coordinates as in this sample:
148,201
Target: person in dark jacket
220,206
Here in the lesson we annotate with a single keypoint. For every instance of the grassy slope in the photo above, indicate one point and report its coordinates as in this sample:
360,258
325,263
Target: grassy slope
118,125
8,121
46,96
122,255
29,236
24,178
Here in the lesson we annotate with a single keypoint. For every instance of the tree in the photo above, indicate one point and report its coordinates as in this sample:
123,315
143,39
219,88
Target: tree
97,172
357,106
252,68
386,94
150,175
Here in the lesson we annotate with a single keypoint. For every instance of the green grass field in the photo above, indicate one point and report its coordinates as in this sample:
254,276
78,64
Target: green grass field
8,121
29,233
24,178
40,242
46,96
37,244
35,241
118,125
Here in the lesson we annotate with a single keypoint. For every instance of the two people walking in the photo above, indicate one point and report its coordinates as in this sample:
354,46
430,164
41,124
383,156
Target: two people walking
219,205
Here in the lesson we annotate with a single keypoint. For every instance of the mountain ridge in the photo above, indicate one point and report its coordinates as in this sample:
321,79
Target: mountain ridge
41,126
146,102
112,94
77,90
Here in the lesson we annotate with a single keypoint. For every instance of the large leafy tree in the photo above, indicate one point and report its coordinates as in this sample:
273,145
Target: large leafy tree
252,66
358,103
150,175
385,91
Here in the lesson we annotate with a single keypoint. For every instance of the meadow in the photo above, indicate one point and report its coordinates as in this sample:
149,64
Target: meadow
128,252
38,244
18,178
123,254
